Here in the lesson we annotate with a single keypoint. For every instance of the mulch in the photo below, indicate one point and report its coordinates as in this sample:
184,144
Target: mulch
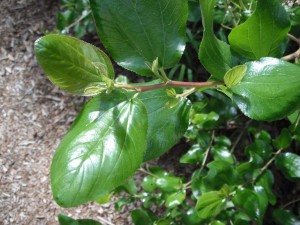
34,116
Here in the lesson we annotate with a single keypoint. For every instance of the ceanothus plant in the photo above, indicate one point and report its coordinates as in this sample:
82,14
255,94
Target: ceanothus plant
124,125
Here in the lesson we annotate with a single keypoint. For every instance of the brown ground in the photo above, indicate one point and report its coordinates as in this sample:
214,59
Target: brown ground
34,115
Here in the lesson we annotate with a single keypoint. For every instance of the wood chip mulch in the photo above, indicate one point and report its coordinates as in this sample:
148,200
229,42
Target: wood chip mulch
34,115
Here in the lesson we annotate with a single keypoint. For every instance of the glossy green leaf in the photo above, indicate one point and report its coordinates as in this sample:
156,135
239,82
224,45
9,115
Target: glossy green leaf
204,120
289,164
285,217
194,155
266,181
248,201
73,65
265,82
149,30
234,75
262,34
103,148
220,172
283,140
141,217
175,199
210,204
191,217
214,54
167,123
65,220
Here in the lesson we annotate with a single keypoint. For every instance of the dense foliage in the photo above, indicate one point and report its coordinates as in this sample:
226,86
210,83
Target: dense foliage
233,161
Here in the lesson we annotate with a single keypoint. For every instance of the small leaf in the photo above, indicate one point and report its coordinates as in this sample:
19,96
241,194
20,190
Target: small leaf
191,218
266,181
175,199
103,148
265,82
141,217
289,164
194,155
220,173
283,140
214,54
284,217
235,75
262,34
210,204
149,30
70,64
248,201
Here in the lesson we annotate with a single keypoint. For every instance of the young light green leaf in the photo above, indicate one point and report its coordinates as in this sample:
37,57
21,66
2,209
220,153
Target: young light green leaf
70,63
175,199
150,30
235,75
214,54
168,123
289,164
210,204
265,83
103,148
262,34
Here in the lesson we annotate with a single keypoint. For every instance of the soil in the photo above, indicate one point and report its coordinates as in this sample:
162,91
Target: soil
34,117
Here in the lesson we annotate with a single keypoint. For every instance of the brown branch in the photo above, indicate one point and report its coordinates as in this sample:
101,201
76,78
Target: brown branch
296,54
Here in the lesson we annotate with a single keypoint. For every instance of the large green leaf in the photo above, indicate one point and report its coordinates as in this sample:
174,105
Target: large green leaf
168,120
270,89
103,148
289,163
262,34
135,32
214,54
73,65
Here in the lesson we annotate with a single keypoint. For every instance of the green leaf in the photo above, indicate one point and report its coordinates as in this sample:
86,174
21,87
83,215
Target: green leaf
235,75
220,172
103,148
191,217
65,220
265,82
210,204
71,64
214,54
289,164
175,199
141,217
149,30
248,201
266,181
167,123
284,217
283,140
194,155
264,31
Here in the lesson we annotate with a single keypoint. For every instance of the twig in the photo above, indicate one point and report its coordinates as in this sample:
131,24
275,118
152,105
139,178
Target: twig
77,21
291,203
105,221
292,37
169,84
292,56
240,136
262,170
